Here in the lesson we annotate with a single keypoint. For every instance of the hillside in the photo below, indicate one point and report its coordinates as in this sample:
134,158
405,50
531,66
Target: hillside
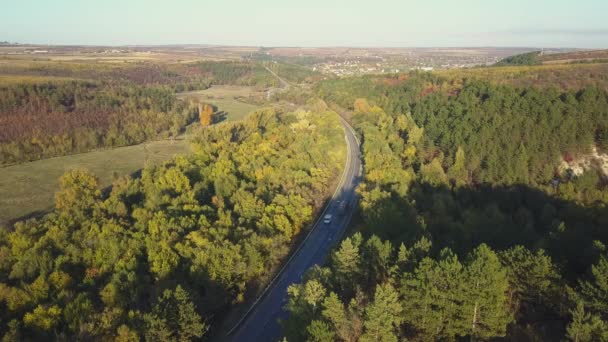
481,214
55,107
575,57
542,57
165,254
472,224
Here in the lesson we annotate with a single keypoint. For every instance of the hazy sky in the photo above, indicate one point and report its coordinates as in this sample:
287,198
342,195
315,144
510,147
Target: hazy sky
538,23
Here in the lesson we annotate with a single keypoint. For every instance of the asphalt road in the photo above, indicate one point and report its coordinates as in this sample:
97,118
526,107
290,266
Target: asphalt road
261,322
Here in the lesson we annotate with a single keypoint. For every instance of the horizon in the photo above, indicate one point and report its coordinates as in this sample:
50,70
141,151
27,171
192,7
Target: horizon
271,23
301,46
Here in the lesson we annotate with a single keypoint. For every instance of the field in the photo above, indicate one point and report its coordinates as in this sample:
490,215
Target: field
232,102
32,185
29,188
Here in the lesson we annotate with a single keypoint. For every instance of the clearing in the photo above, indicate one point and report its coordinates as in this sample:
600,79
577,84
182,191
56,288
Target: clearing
32,185
232,102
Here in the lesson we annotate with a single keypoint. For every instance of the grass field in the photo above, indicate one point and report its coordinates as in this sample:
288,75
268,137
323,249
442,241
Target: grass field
32,185
229,100
29,188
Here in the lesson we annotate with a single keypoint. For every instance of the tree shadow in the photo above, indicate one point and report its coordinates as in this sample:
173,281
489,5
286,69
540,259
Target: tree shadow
219,117
571,233
499,216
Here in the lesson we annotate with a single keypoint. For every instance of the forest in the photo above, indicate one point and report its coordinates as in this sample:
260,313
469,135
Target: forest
52,119
469,227
125,105
162,256
471,224
530,58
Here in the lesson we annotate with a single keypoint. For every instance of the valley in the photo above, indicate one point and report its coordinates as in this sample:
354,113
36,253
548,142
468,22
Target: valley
146,183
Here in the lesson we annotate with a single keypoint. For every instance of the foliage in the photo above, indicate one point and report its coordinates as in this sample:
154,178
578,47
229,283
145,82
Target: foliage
530,58
47,120
160,254
465,176
422,297
50,109
205,113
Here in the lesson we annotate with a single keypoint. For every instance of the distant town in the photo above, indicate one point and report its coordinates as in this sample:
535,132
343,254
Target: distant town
338,61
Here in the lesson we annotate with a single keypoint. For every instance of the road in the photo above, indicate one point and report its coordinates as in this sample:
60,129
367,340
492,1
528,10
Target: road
260,323
284,83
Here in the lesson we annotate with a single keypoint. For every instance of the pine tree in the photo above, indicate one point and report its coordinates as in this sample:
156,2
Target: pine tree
124,334
319,331
383,316
376,256
458,172
346,263
533,278
485,300
333,311
585,327
174,315
432,297
521,165
595,292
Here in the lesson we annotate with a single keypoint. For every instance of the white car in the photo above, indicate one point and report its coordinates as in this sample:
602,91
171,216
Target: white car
327,219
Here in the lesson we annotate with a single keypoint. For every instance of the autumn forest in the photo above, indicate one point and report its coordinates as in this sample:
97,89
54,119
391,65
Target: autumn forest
481,212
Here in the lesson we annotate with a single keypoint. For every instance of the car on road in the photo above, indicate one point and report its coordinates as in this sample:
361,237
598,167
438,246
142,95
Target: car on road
327,219
343,206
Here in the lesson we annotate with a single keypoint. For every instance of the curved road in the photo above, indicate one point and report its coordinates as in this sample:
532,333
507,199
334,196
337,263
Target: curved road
260,322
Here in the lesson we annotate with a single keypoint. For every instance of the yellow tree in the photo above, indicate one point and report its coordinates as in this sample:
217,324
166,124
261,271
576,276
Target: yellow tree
205,112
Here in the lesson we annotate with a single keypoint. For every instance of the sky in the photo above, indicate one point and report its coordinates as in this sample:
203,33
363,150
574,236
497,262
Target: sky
388,23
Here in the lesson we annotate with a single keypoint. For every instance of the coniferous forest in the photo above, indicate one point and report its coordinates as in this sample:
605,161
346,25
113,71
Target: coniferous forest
470,227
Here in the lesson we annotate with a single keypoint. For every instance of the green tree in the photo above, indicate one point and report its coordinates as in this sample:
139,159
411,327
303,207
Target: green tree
43,318
346,321
125,334
319,331
533,278
383,316
79,190
521,165
432,297
585,327
458,173
376,258
314,292
174,315
595,291
346,262
486,302
433,174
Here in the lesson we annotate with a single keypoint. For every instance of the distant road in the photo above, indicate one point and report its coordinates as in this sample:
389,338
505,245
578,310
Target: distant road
284,83
260,322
